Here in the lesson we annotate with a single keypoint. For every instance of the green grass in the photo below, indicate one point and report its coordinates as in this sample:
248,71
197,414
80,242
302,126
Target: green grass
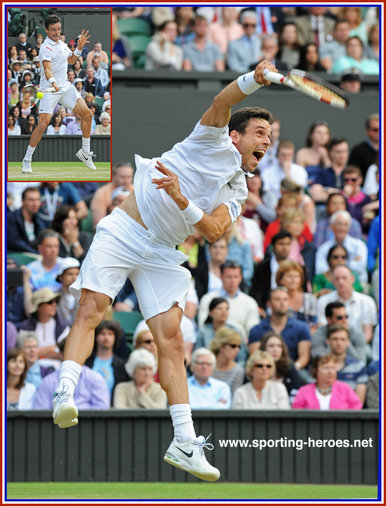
60,171
107,490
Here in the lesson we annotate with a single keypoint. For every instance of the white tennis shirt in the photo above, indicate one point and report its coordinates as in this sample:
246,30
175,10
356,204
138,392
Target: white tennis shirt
209,172
57,53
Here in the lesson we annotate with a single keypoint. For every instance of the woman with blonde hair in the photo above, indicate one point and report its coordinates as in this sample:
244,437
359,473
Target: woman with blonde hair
226,345
302,251
302,305
262,392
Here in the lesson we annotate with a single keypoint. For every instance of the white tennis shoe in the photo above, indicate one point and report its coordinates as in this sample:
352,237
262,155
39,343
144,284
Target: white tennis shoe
189,456
65,412
26,167
86,159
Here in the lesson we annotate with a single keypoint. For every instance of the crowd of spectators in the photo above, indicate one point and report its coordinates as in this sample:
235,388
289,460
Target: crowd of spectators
90,75
339,40
283,309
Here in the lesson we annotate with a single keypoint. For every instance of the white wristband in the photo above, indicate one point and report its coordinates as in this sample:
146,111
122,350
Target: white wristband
192,214
247,83
51,80
77,52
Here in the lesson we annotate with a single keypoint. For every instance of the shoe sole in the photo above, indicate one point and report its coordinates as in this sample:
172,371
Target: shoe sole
81,159
68,417
201,476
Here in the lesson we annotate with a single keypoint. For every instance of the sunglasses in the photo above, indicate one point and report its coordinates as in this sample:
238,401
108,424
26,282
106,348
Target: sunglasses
260,366
337,257
233,346
247,25
342,317
53,301
351,179
147,341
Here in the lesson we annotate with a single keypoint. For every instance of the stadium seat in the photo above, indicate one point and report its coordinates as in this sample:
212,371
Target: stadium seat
134,26
128,322
138,45
23,258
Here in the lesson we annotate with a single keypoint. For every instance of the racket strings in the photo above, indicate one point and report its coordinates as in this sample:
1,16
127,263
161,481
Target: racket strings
318,91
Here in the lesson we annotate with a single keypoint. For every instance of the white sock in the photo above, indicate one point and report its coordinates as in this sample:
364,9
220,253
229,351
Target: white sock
86,145
182,422
69,376
29,153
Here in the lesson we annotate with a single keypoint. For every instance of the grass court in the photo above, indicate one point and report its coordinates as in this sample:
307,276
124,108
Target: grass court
60,171
216,491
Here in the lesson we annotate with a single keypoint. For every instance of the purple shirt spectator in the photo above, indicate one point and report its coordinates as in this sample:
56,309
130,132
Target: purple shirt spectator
11,335
73,128
90,393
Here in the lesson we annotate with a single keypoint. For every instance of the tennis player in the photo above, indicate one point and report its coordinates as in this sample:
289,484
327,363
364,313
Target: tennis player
54,57
198,184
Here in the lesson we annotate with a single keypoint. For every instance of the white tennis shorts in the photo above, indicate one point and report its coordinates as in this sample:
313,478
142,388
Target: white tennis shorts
122,248
67,96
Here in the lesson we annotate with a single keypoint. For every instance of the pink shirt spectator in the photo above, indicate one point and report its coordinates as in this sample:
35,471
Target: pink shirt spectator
342,397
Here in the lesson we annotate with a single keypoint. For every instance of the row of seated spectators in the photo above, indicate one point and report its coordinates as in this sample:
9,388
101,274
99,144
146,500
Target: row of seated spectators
301,262
90,75
323,39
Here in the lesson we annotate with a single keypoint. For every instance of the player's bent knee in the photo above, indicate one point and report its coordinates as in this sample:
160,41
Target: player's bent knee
92,308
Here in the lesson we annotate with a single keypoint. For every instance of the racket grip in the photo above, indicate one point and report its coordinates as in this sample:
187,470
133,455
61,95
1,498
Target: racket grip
274,77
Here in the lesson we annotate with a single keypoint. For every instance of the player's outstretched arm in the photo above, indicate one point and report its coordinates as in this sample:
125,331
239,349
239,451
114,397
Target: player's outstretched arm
211,226
49,74
84,39
219,112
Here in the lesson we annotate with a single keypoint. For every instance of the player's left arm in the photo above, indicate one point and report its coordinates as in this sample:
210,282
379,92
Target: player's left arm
84,39
219,112
211,226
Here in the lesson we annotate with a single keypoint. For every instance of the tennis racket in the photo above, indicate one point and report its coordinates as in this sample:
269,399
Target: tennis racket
33,91
313,86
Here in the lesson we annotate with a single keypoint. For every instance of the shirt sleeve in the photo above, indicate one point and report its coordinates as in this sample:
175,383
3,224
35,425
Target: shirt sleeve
45,54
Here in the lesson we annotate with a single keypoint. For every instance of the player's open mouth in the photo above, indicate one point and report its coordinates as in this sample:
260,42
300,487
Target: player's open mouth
259,155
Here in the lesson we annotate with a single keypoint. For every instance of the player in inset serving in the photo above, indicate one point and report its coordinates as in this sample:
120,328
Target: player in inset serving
54,57
198,184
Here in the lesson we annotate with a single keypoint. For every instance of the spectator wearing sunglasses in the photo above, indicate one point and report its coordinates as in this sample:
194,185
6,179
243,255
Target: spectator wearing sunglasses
261,392
336,314
226,345
322,283
246,50
352,190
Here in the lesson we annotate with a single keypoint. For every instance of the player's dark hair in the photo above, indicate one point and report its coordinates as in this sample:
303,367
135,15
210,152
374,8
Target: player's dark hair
52,19
329,310
240,119
334,142
280,235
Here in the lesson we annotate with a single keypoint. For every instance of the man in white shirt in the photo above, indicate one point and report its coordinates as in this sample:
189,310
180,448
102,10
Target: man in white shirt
243,309
283,167
54,56
361,308
340,223
205,172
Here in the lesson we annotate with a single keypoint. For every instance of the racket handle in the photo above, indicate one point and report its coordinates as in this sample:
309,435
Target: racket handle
276,78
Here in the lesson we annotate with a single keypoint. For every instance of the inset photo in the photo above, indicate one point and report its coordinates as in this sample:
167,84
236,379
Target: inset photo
59,94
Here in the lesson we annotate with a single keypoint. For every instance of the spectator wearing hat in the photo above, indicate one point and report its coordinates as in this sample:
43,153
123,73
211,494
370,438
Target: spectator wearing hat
79,85
26,78
36,67
91,391
351,80
105,127
15,67
68,305
142,391
50,328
